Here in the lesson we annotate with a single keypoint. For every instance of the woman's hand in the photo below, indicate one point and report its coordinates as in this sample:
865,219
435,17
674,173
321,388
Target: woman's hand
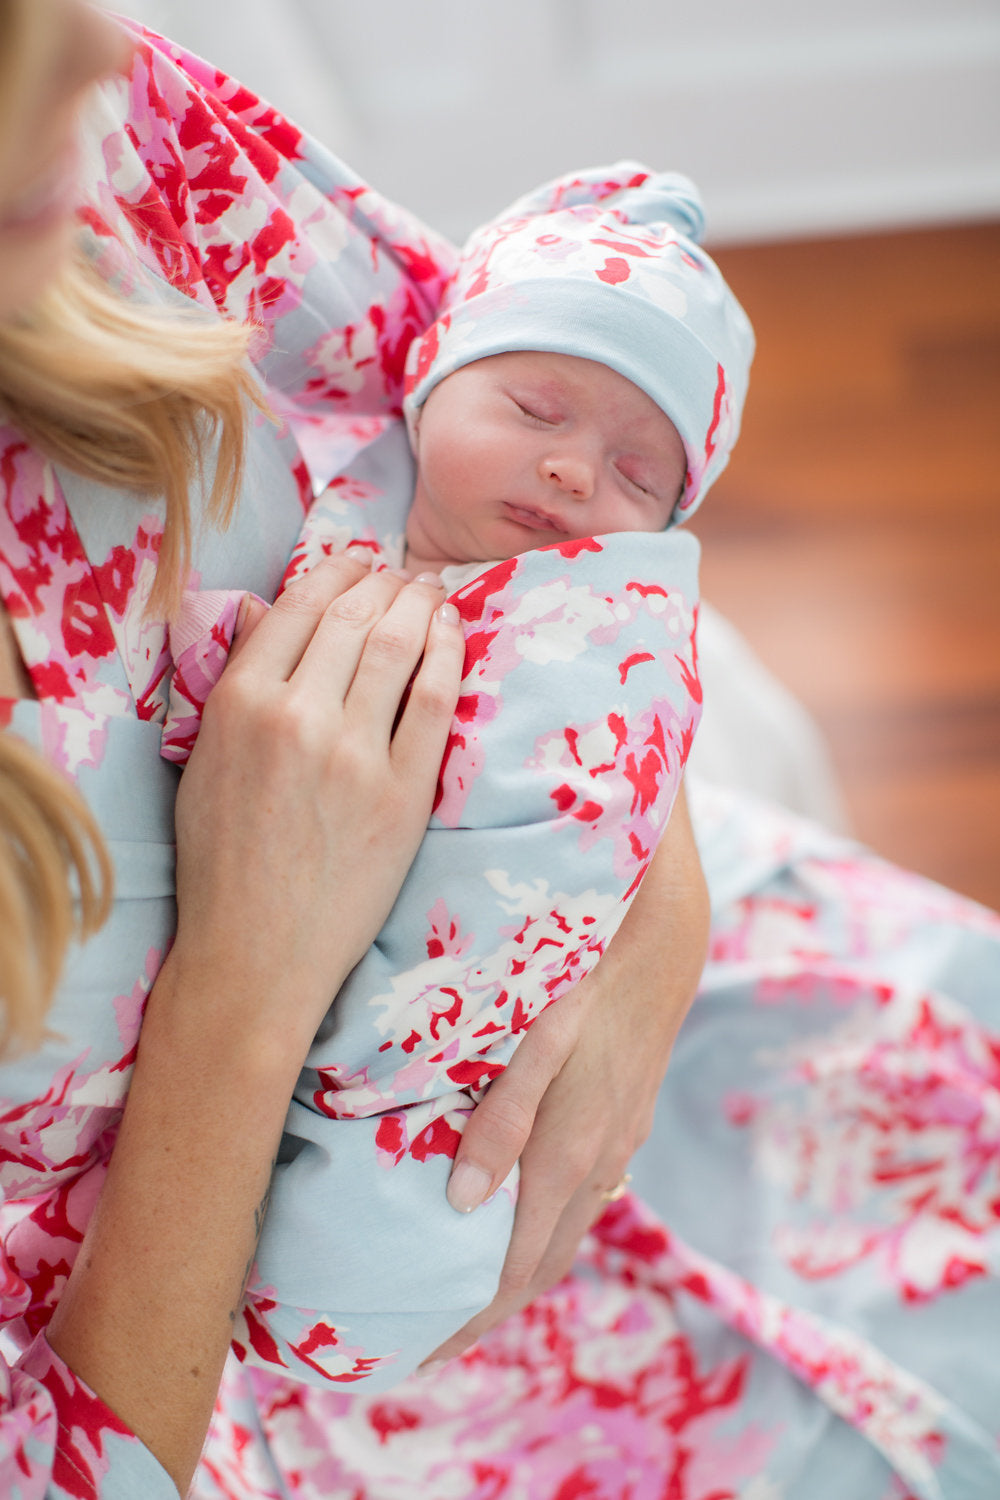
298,815
316,796
578,1097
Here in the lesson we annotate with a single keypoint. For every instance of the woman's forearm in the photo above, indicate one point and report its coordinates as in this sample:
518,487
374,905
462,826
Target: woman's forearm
147,1315
661,946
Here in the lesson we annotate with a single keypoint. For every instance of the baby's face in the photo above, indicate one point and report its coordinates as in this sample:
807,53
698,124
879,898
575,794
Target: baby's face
523,450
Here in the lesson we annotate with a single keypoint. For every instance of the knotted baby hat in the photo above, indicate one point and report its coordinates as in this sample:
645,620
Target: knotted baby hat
604,264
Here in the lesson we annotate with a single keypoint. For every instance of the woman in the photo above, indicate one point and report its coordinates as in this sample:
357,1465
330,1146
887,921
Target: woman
812,1326
136,1343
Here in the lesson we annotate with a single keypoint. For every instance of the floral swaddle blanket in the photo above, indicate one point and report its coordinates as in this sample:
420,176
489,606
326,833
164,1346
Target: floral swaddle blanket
578,706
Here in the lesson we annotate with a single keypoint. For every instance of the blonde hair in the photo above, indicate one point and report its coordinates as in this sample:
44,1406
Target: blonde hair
133,397
55,885
136,397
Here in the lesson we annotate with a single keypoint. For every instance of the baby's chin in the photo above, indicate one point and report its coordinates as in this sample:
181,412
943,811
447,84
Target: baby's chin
418,560
416,563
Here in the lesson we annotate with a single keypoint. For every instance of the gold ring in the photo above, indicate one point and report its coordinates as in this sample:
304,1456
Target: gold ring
619,1191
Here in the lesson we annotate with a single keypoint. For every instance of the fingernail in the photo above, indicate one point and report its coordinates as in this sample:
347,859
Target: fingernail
448,614
467,1187
242,614
431,1367
429,578
403,573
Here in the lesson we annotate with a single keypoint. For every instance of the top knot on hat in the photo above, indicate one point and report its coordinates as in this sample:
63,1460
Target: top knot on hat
605,265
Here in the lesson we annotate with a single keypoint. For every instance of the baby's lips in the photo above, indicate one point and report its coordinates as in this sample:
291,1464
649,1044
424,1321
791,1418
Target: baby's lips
538,520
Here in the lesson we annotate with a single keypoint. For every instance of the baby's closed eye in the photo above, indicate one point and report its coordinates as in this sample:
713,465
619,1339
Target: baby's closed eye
534,414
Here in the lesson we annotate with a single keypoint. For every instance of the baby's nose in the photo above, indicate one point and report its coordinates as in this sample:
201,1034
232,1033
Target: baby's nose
571,472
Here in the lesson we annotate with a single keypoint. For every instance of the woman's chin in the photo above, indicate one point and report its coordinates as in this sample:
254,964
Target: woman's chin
31,258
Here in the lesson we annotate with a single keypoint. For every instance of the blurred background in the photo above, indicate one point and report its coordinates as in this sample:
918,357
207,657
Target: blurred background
849,158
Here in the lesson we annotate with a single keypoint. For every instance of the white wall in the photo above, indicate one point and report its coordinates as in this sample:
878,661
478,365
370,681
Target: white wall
793,117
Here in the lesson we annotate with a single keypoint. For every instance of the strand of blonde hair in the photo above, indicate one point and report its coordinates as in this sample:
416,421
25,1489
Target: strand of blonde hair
136,397
55,885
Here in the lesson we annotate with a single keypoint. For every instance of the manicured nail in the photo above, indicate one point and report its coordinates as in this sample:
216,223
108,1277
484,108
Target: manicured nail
242,614
431,578
467,1187
403,573
448,614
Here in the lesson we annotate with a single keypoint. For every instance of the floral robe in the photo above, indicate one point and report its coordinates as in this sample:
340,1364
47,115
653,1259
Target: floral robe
807,1307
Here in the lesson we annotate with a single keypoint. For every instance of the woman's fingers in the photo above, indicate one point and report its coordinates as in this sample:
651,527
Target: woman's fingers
393,649
549,1225
347,649
368,622
252,610
557,1205
421,733
499,1128
276,650
532,1112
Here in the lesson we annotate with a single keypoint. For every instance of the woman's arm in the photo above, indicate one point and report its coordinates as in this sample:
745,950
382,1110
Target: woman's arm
578,1097
297,820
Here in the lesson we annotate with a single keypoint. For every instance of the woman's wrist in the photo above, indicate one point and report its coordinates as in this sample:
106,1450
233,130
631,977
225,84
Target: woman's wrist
667,924
247,1018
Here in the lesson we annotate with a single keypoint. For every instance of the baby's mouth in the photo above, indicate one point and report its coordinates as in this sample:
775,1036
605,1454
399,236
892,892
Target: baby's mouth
535,520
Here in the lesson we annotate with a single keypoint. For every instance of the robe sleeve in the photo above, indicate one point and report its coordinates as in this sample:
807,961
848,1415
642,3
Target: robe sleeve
209,189
58,1440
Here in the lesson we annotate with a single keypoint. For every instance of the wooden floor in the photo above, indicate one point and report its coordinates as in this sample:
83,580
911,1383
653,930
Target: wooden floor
855,538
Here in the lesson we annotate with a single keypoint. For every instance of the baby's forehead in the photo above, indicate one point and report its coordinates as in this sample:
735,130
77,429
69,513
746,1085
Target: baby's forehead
535,359
570,372
529,361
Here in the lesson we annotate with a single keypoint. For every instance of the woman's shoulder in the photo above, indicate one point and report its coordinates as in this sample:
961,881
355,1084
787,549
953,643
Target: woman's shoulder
177,181
223,197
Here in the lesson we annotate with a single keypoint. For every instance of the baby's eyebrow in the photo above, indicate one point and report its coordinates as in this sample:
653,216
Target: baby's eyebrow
545,384
539,392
